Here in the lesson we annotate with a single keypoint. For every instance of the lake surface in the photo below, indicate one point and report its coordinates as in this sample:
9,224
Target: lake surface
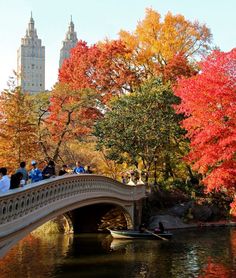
199,253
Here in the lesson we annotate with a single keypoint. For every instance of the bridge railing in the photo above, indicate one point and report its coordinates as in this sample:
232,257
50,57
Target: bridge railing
18,203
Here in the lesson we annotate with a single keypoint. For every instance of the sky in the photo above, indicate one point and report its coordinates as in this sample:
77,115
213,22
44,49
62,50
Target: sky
96,20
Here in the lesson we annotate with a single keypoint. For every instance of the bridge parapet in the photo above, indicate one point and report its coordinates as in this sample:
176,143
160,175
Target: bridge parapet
23,206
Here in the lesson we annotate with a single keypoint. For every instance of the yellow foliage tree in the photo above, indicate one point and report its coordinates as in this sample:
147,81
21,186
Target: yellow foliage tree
155,43
17,129
85,152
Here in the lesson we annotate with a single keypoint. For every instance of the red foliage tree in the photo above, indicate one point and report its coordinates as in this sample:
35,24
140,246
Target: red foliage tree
209,103
102,67
177,67
78,68
114,73
71,115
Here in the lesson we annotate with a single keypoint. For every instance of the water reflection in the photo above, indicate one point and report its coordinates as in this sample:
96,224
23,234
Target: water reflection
117,244
35,256
198,253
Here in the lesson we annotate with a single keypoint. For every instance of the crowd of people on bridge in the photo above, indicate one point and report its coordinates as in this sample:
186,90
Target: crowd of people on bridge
22,177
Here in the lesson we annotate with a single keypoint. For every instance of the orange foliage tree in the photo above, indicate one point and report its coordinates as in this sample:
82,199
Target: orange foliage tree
40,105
18,140
173,42
209,103
102,67
71,115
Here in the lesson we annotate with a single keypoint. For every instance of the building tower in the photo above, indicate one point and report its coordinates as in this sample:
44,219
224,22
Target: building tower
31,61
69,42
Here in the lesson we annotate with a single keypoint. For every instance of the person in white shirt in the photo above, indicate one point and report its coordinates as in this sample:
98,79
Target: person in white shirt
4,181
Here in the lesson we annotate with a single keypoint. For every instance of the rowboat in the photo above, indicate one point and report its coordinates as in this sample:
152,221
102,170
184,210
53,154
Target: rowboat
132,234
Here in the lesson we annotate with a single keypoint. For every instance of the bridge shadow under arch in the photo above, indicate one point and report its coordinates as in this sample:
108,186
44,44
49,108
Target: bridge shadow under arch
98,217
89,219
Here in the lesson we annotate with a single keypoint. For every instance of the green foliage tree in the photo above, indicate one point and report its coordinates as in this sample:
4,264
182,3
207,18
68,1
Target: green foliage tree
143,126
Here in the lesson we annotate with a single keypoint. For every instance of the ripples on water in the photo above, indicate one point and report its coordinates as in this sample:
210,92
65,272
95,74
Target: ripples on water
208,253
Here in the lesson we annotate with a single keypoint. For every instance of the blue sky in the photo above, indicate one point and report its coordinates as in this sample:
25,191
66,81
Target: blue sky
97,19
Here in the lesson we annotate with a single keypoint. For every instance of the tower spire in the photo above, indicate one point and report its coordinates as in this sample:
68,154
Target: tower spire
69,42
31,60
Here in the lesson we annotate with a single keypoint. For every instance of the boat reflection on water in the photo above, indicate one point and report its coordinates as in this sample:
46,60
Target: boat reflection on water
118,244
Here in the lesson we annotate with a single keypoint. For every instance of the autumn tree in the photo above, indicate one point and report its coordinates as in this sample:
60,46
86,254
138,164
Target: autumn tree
209,104
142,126
71,115
77,69
40,109
173,43
18,130
156,49
102,67
84,150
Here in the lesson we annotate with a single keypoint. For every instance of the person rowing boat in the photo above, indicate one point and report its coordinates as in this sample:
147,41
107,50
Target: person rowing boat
160,229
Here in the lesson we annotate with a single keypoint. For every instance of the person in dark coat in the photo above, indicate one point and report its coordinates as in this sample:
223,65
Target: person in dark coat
160,229
49,170
23,171
88,170
16,180
142,228
63,170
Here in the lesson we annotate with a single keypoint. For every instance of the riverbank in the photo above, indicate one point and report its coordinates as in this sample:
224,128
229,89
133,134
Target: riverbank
172,223
177,210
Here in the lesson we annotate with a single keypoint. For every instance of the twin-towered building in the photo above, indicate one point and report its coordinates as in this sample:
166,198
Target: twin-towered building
31,58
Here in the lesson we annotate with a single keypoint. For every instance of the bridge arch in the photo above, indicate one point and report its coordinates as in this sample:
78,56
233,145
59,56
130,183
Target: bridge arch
23,210
91,218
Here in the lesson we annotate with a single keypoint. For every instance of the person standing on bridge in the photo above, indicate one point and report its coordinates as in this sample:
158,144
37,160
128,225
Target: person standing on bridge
4,181
23,171
79,169
16,180
35,174
49,170
63,170
88,170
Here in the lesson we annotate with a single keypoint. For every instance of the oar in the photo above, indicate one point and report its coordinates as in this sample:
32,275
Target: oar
156,235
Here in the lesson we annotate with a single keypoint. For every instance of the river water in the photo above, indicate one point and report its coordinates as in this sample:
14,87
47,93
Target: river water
206,252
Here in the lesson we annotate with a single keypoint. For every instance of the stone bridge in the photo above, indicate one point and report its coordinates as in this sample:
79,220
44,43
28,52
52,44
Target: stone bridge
22,210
